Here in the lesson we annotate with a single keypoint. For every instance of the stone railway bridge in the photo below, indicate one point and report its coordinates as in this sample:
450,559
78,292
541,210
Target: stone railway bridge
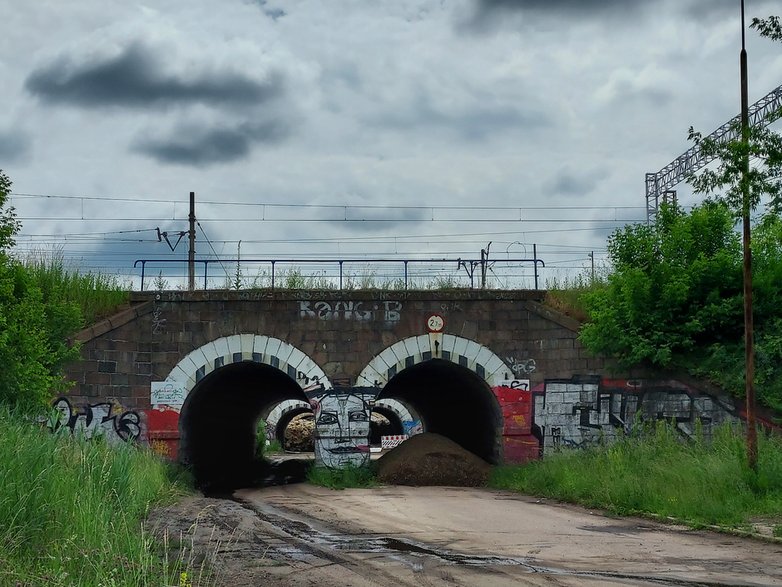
191,373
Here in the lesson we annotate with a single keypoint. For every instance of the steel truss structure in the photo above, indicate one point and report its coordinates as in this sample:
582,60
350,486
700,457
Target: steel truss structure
660,185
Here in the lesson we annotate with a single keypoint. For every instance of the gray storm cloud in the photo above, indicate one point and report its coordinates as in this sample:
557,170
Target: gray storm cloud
477,122
558,5
137,78
617,7
14,146
193,146
569,182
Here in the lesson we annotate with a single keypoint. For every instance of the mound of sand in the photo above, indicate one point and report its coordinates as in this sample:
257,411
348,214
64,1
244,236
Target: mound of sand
432,459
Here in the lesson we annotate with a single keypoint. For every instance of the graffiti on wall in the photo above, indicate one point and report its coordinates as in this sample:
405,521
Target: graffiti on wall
387,311
521,367
571,413
96,420
158,322
167,393
576,413
342,429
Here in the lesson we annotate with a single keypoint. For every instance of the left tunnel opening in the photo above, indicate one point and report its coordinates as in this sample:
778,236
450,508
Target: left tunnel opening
219,418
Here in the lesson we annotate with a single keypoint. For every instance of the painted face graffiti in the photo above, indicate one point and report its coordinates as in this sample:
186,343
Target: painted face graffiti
341,430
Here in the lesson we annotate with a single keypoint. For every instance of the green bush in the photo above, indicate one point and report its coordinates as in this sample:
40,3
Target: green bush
675,299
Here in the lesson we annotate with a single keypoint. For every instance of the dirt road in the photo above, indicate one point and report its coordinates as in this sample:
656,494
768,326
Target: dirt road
306,535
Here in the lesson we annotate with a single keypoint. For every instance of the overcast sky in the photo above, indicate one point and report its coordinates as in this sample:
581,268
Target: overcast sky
548,113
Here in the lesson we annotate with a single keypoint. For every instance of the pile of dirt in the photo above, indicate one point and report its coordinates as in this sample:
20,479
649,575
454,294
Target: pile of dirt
300,434
432,459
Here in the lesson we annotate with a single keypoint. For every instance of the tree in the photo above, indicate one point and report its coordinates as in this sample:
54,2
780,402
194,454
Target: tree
33,329
9,225
743,187
768,27
676,285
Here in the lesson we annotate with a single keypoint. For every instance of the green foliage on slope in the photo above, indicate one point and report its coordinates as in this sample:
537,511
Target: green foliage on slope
674,299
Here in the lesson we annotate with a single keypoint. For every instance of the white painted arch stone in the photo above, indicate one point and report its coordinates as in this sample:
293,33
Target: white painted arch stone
417,349
247,347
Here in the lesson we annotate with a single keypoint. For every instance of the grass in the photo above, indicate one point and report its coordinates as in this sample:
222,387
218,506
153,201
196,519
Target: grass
566,295
71,510
97,295
699,482
342,478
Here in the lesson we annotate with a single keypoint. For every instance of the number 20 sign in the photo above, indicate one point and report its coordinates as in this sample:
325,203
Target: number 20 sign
435,323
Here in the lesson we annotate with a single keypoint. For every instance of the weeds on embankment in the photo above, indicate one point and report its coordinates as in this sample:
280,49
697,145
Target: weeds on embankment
655,472
96,294
71,510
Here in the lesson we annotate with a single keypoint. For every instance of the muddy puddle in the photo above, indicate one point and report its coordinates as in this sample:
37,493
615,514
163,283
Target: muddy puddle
310,539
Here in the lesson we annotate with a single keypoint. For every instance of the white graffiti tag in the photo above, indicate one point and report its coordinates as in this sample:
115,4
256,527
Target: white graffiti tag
96,420
388,311
521,367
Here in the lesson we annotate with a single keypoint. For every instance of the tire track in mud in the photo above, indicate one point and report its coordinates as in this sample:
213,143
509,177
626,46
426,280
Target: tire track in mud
304,541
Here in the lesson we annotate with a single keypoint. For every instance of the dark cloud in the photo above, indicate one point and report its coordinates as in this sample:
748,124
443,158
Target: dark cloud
569,183
474,123
137,78
559,6
272,12
614,8
188,145
14,146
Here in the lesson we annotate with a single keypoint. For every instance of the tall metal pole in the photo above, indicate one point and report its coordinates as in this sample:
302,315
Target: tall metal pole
749,354
191,249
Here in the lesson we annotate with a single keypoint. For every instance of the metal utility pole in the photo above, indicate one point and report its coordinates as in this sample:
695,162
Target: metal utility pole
484,264
191,249
749,354
592,258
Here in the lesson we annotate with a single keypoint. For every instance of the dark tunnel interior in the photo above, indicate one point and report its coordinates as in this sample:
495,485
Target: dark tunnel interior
453,401
218,420
378,430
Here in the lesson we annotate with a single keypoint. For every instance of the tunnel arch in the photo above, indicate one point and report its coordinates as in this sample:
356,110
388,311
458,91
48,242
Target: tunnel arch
281,415
256,348
416,349
231,382
453,401
447,382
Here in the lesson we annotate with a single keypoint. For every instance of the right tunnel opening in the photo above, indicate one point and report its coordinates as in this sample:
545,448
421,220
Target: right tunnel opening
453,401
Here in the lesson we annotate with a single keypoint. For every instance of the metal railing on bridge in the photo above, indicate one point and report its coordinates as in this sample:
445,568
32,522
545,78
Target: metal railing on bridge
358,273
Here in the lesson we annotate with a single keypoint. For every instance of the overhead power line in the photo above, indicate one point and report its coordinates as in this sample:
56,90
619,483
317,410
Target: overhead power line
169,201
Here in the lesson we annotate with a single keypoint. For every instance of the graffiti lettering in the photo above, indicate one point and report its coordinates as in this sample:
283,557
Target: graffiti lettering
587,413
158,323
309,383
348,310
522,384
392,311
521,367
96,420
167,393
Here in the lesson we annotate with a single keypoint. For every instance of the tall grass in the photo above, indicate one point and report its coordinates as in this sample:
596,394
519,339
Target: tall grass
71,510
98,295
351,476
656,472
567,295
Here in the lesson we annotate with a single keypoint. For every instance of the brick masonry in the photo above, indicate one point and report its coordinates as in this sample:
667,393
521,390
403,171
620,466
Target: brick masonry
344,335
340,331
